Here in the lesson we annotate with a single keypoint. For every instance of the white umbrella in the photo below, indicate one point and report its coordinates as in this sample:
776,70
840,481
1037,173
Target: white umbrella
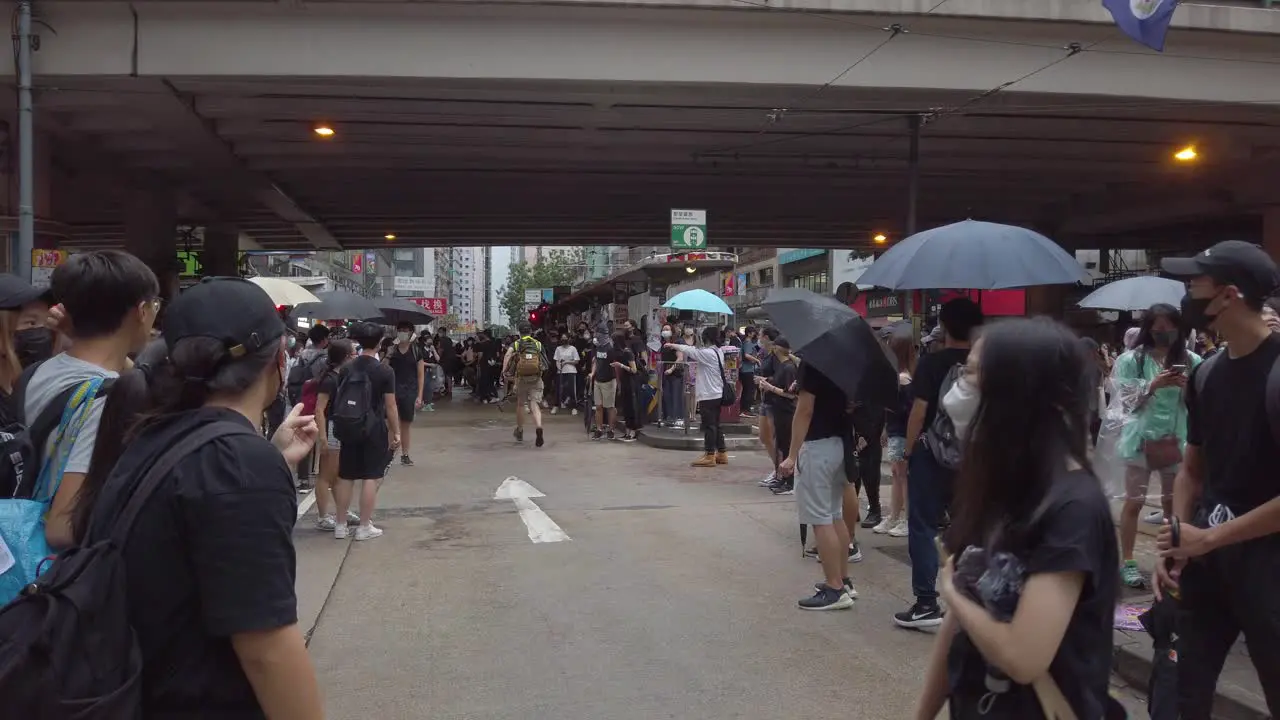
284,292
1135,293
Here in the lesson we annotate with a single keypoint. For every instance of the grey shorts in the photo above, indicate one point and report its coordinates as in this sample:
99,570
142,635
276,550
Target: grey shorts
896,449
605,394
820,481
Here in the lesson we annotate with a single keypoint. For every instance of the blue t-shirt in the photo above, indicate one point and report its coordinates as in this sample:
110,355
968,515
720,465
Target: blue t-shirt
749,347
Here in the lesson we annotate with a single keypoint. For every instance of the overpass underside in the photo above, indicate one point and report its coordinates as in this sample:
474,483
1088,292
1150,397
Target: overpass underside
499,125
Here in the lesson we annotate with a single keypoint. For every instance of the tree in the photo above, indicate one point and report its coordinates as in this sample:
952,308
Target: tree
557,267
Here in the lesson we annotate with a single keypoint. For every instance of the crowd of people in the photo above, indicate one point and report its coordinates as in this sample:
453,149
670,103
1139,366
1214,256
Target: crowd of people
141,444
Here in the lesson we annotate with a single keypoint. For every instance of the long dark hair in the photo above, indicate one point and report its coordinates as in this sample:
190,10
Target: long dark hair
201,367
339,352
1177,353
1031,419
129,398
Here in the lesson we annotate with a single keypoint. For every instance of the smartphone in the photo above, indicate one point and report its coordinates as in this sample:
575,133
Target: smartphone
1180,369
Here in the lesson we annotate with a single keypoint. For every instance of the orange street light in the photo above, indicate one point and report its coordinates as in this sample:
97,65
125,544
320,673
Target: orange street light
1186,154
880,238
390,236
324,131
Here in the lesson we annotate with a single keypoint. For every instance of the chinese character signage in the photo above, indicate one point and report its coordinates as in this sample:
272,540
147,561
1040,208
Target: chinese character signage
438,307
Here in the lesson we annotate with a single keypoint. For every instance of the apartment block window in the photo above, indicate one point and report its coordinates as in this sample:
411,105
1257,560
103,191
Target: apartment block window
816,282
766,277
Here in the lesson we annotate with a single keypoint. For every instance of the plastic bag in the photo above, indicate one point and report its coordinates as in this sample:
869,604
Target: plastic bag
992,579
1124,426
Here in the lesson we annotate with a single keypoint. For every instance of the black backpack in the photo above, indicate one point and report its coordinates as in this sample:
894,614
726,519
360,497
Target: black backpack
67,649
301,372
354,415
941,437
22,443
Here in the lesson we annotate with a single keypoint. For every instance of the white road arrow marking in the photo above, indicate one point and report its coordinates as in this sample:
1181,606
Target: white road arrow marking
542,529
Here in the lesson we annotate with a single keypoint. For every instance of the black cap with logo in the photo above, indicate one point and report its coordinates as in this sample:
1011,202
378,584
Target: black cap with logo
230,309
1231,262
16,292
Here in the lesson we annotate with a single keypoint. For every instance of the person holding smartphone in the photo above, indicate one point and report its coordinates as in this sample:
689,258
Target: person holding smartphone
1150,379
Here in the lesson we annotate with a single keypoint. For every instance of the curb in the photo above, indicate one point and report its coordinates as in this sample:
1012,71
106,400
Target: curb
693,441
1131,660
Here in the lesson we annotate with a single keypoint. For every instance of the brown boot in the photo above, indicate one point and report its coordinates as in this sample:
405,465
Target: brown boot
705,461
722,458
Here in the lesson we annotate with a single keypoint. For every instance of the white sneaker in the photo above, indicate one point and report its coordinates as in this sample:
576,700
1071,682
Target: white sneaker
575,412
768,479
368,532
555,410
326,522
884,526
899,530
340,532
353,517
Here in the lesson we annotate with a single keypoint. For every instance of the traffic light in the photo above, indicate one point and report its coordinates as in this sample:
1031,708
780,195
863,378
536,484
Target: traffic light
534,317
539,315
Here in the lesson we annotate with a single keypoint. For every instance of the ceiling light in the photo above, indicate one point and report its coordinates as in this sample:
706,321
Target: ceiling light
1186,154
689,269
880,238
324,131
390,236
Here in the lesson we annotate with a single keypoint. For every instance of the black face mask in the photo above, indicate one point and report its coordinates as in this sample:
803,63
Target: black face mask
33,345
1194,312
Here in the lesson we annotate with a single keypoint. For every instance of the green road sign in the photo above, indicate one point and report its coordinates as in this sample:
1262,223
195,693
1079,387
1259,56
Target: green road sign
688,229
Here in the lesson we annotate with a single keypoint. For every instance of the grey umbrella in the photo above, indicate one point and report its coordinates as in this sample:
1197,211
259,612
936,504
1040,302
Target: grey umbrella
974,255
398,310
340,305
1135,293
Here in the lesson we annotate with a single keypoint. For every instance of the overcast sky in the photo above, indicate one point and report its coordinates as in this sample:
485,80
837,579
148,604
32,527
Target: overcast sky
501,269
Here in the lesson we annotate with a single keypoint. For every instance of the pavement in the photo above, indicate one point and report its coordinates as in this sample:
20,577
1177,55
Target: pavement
673,595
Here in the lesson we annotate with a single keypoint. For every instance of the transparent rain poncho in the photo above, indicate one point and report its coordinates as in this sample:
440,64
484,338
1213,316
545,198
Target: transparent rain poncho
1128,422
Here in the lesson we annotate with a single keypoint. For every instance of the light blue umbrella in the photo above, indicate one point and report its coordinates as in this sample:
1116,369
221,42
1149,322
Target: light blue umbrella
699,300
1136,293
974,255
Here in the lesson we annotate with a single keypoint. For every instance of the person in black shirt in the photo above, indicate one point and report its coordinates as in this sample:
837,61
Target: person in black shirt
672,380
895,439
929,483
209,567
1025,489
366,460
1227,492
779,397
410,370
611,363
821,429
766,431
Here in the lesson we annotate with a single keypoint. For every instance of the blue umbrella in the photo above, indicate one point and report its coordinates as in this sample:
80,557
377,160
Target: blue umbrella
699,300
976,256
1135,293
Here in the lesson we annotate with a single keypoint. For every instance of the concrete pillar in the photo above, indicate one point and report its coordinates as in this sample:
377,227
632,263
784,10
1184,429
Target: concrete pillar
151,233
221,246
1271,232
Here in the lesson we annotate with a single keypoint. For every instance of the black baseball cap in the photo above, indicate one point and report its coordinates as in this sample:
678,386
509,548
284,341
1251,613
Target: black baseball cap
230,309
1231,262
16,292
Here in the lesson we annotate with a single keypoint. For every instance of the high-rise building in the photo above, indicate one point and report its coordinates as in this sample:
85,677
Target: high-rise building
466,299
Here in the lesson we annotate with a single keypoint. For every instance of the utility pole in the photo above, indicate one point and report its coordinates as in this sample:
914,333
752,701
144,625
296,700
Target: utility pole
913,197
26,148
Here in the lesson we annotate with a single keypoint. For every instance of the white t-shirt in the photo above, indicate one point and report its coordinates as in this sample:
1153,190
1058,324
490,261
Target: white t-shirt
708,380
565,357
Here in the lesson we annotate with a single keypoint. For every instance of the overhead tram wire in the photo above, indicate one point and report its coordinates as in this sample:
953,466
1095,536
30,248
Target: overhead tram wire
929,116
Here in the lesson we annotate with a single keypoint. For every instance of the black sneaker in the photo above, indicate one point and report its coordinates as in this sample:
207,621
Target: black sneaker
610,435
855,553
871,520
827,598
783,489
539,442
628,437
811,552
406,461
519,434
919,616
848,587
596,435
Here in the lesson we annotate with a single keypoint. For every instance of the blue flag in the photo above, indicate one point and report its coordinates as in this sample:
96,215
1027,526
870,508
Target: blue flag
1146,21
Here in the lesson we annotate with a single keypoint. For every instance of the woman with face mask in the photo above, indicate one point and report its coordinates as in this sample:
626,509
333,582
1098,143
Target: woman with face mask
25,338
1147,384
210,586
672,380
1028,509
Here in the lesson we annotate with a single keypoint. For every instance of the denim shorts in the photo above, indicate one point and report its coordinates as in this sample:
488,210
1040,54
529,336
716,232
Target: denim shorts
896,449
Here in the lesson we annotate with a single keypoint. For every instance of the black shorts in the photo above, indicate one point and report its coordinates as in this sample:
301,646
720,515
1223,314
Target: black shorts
366,460
406,400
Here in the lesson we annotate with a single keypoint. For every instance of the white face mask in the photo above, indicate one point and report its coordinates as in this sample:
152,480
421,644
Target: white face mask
666,333
402,337
961,403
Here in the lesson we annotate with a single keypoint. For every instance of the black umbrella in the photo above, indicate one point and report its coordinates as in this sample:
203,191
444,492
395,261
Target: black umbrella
829,336
340,305
398,310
